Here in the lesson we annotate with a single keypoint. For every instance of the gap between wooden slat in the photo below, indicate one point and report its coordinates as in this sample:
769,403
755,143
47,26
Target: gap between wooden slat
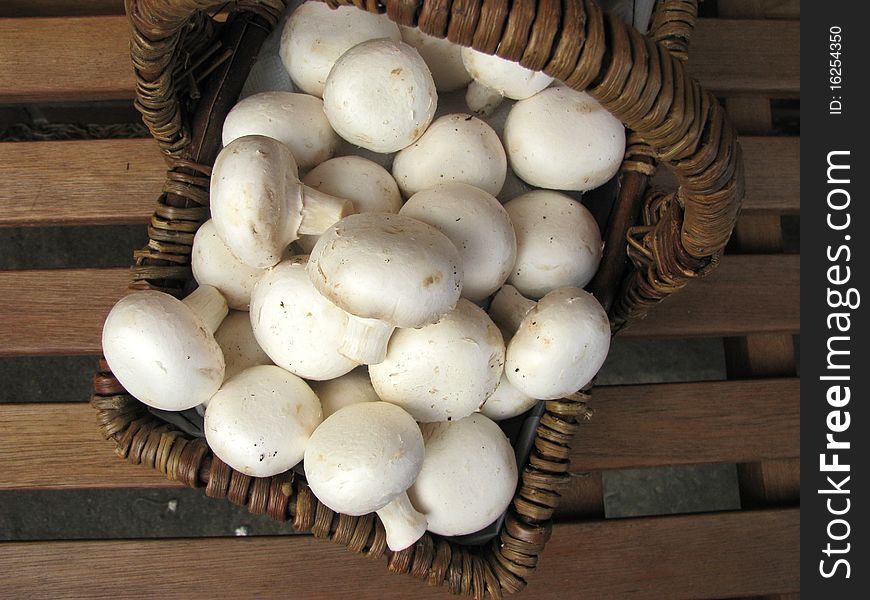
87,58
58,445
693,556
60,8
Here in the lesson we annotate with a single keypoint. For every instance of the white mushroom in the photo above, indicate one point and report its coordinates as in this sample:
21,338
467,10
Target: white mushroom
297,327
162,350
258,204
506,401
495,76
580,150
315,36
469,475
236,339
442,56
296,120
456,147
348,389
380,95
559,345
386,271
214,264
362,459
259,421
478,226
443,371
558,242
367,184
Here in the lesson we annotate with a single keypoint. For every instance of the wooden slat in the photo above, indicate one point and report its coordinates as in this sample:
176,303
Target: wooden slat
64,59
747,57
79,182
699,556
57,311
759,9
669,424
745,294
87,58
60,8
61,311
642,425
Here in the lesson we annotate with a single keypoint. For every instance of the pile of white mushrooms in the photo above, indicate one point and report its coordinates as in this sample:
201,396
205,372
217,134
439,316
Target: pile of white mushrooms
385,274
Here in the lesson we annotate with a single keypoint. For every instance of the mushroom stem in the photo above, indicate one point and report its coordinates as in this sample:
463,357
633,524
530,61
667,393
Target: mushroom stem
321,210
365,340
482,99
508,309
209,305
403,524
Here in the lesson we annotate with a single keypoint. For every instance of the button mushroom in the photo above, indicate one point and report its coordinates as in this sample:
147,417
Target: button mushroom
578,151
259,421
468,477
297,327
386,271
213,264
362,459
380,95
442,56
296,120
506,402
496,77
443,371
456,147
559,345
367,184
478,226
236,338
162,350
558,242
258,204
315,36
343,391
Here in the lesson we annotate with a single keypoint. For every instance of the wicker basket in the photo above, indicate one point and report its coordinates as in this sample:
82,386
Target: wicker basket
190,69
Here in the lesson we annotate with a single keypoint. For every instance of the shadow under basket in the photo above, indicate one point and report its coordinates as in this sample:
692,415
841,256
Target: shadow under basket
191,64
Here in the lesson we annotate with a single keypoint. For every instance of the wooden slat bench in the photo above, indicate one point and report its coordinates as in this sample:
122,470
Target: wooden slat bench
78,51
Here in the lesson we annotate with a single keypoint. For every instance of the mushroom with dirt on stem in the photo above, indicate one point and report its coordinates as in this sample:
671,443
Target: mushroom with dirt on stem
362,459
444,371
385,271
557,345
162,350
478,226
496,78
260,421
258,204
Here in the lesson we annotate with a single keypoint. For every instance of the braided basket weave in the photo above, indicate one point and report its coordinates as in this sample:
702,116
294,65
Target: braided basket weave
190,69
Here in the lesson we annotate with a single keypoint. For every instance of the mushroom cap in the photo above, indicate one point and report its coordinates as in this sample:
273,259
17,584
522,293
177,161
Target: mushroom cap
506,76
457,147
348,389
367,184
478,226
296,120
363,456
380,95
560,345
506,401
315,36
260,421
214,264
256,199
297,327
387,267
161,352
563,139
443,371
468,478
442,56
236,339
558,242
